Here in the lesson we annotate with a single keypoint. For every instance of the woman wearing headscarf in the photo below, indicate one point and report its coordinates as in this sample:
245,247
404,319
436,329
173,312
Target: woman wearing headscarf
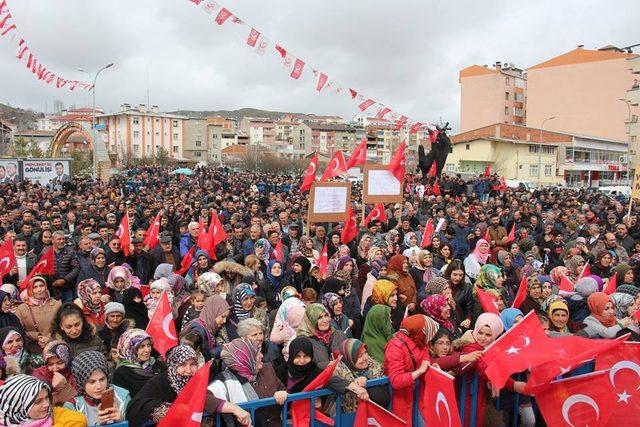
300,277
462,293
350,301
332,266
339,321
154,399
510,316
135,309
7,317
136,364
489,278
377,330
378,268
625,274
201,265
391,239
476,259
398,272
409,240
557,273
93,376
422,272
287,320
385,292
316,324
90,301
246,378
211,326
118,282
437,307
36,314
344,272
156,289
362,251
534,297
558,313
406,359
273,284
603,265
262,249
57,371
357,365
574,267
577,300
26,401
305,249
602,322
626,306
243,300
98,269
18,358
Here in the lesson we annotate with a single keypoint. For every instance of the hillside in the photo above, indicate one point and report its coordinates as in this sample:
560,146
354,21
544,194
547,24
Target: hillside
239,114
24,119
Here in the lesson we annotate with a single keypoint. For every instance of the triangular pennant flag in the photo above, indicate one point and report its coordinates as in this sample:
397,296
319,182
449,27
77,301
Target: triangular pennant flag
611,285
512,233
187,261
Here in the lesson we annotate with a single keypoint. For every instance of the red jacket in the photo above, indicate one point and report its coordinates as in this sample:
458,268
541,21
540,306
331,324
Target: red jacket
398,365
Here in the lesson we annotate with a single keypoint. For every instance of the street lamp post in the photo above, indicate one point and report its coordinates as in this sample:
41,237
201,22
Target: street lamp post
629,175
93,116
540,147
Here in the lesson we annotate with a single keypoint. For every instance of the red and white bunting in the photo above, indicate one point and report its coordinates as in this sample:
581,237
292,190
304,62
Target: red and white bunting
383,111
322,79
253,37
222,16
298,66
366,104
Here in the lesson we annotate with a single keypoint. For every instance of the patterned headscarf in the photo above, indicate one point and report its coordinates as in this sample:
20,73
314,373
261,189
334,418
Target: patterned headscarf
376,266
436,286
177,357
371,255
290,313
238,295
128,345
288,292
488,277
240,355
433,306
119,272
309,325
83,365
557,273
622,302
382,290
351,350
30,300
420,328
59,349
85,289
263,243
329,300
17,397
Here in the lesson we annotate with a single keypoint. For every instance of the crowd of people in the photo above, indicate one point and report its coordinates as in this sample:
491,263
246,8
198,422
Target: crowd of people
270,320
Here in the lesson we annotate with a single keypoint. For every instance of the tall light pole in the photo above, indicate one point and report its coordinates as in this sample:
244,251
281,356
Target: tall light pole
540,147
629,175
93,116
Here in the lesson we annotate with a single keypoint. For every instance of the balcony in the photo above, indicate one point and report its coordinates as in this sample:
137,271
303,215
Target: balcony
596,165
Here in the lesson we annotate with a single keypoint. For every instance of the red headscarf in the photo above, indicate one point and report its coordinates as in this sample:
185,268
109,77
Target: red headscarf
596,303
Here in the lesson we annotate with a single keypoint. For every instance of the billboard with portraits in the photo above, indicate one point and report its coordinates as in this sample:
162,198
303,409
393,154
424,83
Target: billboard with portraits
9,171
47,171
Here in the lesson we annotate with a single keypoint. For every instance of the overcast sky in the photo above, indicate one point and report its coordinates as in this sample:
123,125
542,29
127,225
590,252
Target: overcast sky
405,54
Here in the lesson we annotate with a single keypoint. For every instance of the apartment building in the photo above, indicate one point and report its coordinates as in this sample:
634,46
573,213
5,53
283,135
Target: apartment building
261,131
325,138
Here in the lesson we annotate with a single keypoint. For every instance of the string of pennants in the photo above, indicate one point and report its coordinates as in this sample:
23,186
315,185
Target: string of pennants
9,31
296,67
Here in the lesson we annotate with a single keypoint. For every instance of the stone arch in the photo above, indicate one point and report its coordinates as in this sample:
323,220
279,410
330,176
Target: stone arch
94,141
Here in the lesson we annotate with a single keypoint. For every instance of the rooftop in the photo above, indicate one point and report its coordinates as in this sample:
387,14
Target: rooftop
337,127
581,55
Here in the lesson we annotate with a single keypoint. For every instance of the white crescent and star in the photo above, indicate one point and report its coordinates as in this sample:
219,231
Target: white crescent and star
440,398
516,350
4,261
311,169
578,398
623,364
165,326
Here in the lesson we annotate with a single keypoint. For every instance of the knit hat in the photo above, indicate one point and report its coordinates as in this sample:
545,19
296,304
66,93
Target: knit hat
114,307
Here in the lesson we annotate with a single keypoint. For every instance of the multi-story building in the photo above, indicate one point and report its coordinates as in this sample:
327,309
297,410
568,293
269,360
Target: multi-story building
50,123
633,100
138,132
325,138
492,95
284,130
581,90
364,121
205,139
541,157
261,131
197,146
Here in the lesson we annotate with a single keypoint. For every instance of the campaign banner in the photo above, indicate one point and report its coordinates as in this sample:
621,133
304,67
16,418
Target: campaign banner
9,171
47,171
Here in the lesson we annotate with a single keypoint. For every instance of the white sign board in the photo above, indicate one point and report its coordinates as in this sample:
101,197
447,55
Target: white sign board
382,183
329,199
46,171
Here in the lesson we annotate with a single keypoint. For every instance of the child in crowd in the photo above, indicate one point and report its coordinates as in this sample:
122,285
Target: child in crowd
198,298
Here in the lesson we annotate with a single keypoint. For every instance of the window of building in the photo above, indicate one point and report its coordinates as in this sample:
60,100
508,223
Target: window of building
534,149
136,134
506,96
198,153
468,147
533,170
548,150
507,81
519,82
157,120
136,121
136,148
198,143
518,112
518,96
547,170
175,148
506,111
175,123
175,136
214,136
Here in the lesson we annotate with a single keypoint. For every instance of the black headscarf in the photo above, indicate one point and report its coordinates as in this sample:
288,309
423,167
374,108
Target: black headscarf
298,377
301,280
135,310
334,285
8,318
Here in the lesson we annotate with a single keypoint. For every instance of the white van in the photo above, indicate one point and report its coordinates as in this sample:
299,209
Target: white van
613,191
520,185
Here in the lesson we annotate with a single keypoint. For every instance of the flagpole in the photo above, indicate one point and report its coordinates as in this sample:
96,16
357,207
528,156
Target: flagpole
630,203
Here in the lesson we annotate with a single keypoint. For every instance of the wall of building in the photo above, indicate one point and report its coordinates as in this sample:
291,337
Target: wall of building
633,96
481,101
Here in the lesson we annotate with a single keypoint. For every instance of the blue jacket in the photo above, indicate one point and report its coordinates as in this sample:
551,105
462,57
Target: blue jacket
460,243
186,242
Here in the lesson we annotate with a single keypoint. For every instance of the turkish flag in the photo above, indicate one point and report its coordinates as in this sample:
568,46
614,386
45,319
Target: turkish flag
436,189
353,93
44,267
503,184
377,213
565,284
611,286
7,258
359,155
151,239
223,15
433,135
522,347
337,166
512,234
371,414
215,235
186,262
586,271
433,170
624,375
300,409
253,37
569,353
162,327
366,104
322,80
522,293
202,235
402,121
278,252
397,164
487,170
488,302
382,112
323,260
585,400
427,234
124,234
310,174
187,409
440,404
298,66
350,229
